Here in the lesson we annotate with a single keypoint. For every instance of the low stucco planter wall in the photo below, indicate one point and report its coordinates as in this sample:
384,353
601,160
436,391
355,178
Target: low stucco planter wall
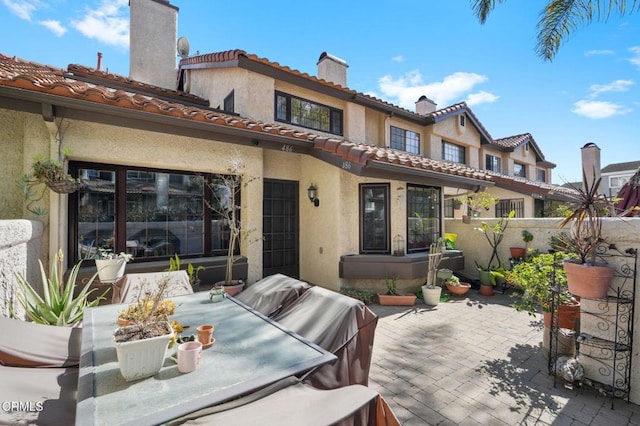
19,252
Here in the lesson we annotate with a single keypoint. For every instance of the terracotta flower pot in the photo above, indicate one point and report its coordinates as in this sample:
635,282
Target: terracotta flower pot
486,290
566,316
233,288
517,252
588,281
459,290
397,300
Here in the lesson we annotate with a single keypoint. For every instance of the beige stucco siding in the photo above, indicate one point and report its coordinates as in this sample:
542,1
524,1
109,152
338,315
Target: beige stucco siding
12,138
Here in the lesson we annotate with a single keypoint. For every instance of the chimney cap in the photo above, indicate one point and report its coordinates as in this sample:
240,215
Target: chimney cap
326,55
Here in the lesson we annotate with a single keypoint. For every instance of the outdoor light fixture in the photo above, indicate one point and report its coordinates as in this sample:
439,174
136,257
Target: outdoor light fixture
312,192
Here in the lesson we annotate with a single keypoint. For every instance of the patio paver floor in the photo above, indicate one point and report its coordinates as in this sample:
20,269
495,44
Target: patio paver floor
474,360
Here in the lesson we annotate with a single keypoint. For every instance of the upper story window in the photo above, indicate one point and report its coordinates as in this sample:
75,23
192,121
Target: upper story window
462,120
304,113
493,163
149,213
519,170
374,218
453,152
405,140
541,175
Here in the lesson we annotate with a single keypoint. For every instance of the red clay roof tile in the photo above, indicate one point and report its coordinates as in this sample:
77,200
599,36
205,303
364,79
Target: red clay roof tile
41,78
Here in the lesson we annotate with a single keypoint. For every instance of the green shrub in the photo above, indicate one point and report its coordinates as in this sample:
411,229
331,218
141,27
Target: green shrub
365,296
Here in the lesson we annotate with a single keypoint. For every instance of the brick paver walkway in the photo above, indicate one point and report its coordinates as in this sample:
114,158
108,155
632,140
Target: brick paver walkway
476,361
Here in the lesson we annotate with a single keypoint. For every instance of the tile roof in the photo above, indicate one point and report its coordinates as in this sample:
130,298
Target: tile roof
31,76
510,143
621,167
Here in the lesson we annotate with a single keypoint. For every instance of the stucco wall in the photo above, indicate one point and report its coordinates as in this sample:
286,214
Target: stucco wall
154,27
12,154
19,253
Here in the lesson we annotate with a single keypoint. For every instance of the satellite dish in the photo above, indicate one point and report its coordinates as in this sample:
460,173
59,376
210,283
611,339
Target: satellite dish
183,47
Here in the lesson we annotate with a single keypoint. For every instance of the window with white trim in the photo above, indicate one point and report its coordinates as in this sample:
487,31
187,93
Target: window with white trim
519,170
453,152
493,163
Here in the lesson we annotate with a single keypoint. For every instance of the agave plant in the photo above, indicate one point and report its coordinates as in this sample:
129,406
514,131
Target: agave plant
56,306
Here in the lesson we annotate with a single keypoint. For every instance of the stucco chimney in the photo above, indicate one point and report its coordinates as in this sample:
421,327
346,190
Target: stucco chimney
152,38
333,69
590,164
425,106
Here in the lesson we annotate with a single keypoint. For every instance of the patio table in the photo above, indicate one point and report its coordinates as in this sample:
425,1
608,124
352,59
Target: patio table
251,351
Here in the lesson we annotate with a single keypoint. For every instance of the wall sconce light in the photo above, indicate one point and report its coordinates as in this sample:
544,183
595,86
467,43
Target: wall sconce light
312,192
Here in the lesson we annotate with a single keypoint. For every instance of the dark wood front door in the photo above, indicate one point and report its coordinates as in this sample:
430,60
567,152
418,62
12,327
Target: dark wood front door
280,247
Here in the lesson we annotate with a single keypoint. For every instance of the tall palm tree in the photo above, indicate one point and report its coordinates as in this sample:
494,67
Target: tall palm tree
560,18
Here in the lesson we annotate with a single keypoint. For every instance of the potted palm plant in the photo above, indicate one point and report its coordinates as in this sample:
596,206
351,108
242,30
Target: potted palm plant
586,276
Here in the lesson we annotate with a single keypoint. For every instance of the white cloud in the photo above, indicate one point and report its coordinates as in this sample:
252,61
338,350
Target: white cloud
398,58
407,89
598,52
481,97
635,59
22,8
599,109
54,26
109,23
614,86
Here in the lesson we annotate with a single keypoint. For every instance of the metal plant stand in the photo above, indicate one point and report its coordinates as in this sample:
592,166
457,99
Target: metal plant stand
605,344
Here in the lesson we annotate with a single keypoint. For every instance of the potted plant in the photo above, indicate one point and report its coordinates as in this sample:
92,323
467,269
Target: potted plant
585,276
392,297
457,203
479,201
490,274
225,192
456,287
534,279
141,346
111,266
216,294
52,174
431,291
192,271
520,252
57,306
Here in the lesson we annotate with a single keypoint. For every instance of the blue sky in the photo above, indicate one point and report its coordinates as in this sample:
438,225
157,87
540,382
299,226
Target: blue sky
396,51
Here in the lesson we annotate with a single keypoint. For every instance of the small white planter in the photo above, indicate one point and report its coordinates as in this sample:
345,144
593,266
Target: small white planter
110,270
142,358
431,296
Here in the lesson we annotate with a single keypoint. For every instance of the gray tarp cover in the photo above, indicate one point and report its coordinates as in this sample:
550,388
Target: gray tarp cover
53,390
301,404
273,293
339,324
